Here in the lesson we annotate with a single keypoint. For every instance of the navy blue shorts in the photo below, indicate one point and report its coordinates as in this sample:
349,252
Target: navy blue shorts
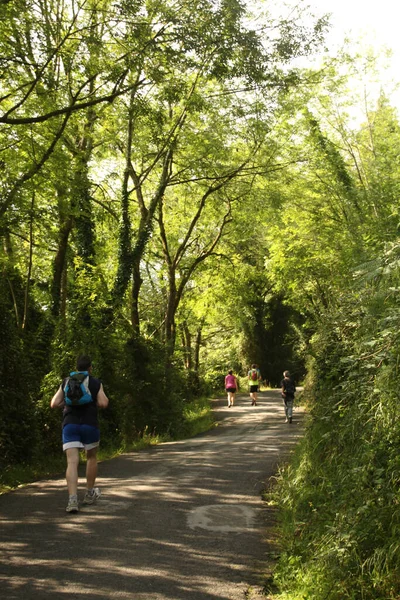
80,436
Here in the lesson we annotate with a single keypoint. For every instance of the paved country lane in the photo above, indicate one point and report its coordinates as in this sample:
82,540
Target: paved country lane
179,521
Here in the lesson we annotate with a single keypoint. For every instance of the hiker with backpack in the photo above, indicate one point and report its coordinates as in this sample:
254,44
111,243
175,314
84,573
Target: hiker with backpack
231,386
254,377
288,392
80,395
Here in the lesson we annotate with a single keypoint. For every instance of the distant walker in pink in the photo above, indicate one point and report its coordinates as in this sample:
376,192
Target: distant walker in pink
231,385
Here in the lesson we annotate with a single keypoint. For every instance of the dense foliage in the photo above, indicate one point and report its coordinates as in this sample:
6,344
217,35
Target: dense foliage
177,198
135,138
340,496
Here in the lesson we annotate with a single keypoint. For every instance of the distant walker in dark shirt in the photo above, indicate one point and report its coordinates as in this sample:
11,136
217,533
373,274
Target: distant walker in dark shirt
288,392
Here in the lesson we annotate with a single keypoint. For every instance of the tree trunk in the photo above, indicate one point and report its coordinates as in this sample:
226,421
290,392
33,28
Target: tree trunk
8,275
124,270
197,346
169,326
187,346
28,275
59,268
83,205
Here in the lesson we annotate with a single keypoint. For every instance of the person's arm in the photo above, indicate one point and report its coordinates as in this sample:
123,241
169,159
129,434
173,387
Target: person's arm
58,398
102,400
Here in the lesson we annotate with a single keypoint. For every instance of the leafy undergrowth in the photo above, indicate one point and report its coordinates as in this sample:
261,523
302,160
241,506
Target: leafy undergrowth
340,509
339,498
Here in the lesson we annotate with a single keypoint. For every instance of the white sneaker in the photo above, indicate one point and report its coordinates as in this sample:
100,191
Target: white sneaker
90,498
72,506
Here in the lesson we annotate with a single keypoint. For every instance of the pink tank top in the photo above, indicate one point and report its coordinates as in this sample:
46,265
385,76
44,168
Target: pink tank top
230,381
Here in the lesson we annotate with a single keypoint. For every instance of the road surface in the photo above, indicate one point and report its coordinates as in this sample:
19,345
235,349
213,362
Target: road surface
179,521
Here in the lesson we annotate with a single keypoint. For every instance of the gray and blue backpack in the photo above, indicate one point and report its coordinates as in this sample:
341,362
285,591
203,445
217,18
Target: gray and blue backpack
76,389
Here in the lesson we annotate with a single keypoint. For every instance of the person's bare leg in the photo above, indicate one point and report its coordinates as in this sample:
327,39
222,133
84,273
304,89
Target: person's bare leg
91,468
71,474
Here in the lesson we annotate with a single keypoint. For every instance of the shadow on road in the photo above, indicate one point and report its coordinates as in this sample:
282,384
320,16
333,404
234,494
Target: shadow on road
182,520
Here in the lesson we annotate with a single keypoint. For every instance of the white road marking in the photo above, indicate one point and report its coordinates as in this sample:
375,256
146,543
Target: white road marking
222,517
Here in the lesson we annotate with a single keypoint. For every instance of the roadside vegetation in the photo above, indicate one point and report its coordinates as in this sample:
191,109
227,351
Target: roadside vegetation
197,418
135,145
339,498
178,197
